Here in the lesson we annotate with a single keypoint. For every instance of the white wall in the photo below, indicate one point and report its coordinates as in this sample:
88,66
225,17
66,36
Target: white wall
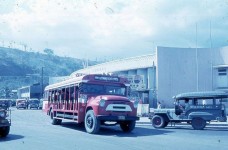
182,70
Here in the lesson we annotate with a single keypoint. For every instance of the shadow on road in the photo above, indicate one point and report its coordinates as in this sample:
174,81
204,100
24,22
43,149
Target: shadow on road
207,128
216,128
116,130
11,137
137,132
74,126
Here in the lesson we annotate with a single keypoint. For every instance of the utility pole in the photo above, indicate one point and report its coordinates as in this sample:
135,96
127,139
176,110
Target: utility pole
197,67
42,81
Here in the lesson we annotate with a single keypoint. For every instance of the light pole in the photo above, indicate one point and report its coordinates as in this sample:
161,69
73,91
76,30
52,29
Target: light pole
42,81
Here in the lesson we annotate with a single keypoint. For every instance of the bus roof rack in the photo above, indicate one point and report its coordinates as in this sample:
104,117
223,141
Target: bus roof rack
202,95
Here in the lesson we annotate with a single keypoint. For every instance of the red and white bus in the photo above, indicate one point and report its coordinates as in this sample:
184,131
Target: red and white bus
93,100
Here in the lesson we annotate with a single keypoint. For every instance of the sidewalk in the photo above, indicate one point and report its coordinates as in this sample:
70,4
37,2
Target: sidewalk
147,121
143,120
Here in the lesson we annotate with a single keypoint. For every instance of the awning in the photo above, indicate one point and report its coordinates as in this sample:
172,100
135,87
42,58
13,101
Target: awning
221,66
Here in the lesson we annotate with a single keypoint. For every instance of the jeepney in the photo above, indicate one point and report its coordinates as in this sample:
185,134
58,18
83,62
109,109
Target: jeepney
195,108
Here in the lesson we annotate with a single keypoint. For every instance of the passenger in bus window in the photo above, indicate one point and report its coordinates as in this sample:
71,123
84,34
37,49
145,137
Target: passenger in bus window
204,102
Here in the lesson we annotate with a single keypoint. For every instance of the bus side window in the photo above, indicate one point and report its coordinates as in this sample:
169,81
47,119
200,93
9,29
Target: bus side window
63,94
52,96
72,93
67,93
49,96
57,95
76,92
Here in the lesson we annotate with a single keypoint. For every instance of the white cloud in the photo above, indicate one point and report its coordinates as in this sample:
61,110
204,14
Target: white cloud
113,28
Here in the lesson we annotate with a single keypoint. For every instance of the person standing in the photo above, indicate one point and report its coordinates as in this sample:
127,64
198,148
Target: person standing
159,105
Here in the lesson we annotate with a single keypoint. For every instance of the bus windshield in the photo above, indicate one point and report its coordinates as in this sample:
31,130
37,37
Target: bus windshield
103,89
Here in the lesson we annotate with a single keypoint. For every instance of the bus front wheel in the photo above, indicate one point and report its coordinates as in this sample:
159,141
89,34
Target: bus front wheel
92,124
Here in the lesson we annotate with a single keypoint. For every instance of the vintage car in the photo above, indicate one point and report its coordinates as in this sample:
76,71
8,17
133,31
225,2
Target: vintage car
195,108
5,118
21,103
33,103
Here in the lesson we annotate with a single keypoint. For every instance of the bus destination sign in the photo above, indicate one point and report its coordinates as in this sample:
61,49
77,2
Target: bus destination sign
106,78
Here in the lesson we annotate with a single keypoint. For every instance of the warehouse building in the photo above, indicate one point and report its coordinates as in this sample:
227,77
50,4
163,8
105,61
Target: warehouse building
169,71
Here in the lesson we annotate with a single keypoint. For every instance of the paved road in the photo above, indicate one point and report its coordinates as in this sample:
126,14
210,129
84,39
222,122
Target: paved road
32,130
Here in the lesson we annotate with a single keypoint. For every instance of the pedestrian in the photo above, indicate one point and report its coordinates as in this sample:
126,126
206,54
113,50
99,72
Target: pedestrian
159,105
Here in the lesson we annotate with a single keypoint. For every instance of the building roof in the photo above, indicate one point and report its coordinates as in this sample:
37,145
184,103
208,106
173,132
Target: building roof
144,61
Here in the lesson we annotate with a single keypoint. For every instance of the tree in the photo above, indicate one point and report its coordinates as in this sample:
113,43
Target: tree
5,92
49,51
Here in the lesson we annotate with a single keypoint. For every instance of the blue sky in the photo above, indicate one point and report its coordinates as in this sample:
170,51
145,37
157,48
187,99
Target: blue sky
112,29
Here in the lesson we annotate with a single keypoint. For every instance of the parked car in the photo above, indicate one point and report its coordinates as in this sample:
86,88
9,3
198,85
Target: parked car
195,108
33,103
5,118
21,103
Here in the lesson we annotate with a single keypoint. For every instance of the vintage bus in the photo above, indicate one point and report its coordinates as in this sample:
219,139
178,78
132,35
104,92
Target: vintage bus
94,100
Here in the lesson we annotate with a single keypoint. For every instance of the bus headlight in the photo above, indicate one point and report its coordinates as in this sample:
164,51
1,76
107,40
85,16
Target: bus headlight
102,103
2,114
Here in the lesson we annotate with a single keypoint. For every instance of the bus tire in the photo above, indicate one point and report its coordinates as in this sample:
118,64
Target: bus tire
56,121
92,124
127,126
4,131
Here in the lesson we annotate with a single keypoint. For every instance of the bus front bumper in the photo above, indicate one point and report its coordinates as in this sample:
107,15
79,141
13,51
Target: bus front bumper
117,118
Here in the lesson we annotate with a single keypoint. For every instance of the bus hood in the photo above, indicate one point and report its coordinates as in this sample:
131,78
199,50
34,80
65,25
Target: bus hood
110,98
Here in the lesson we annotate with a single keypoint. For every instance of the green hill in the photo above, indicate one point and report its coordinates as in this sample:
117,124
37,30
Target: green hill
20,68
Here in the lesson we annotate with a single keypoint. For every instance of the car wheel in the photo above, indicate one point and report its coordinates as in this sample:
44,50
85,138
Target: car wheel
198,123
127,126
158,122
4,131
92,124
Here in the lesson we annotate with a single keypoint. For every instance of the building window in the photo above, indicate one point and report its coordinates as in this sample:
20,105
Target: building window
222,78
222,72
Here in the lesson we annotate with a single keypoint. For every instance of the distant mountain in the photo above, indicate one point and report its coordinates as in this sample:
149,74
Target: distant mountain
17,65
14,62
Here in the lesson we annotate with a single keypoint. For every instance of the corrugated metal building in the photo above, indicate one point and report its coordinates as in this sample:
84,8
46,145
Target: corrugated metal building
170,71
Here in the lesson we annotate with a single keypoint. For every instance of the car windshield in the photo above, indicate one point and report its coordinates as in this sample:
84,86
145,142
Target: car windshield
21,101
103,89
33,101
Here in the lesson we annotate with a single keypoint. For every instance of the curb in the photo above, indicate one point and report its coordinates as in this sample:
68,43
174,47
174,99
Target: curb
178,124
